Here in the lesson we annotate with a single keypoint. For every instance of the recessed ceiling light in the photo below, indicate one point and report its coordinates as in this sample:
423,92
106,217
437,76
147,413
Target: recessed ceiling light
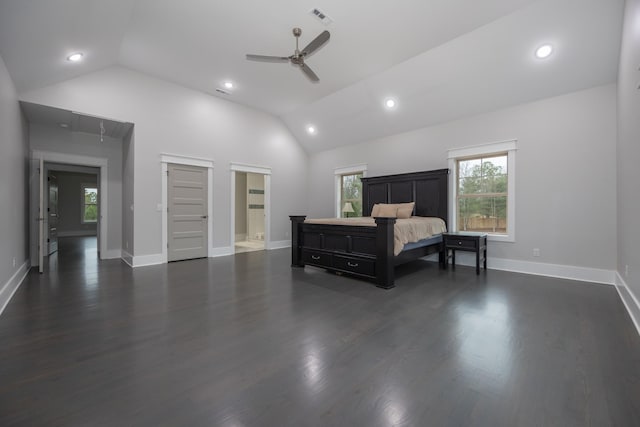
390,103
311,130
63,125
544,51
228,84
76,57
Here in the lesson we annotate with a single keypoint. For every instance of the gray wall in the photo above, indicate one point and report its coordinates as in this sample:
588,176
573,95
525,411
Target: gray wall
566,185
14,177
128,143
174,120
59,140
628,162
69,203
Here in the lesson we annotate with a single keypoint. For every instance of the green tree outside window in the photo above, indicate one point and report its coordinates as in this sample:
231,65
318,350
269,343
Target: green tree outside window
351,191
482,194
90,204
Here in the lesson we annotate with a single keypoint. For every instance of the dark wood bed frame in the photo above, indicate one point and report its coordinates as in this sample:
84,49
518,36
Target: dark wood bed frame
367,252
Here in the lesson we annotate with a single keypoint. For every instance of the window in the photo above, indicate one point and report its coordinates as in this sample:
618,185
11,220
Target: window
351,195
484,189
482,194
89,213
349,191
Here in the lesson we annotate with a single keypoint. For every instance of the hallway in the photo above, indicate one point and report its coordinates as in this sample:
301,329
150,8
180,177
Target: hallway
74,253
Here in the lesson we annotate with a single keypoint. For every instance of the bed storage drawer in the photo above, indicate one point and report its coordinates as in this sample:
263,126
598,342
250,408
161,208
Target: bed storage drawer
316,258
354,265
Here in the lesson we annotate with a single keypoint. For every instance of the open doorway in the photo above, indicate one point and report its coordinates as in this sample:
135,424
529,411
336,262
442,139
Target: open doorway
68,141
72,213
249,215
250,207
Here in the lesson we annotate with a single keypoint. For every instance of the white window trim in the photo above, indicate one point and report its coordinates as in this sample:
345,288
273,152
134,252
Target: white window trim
510,147
347,170
82,204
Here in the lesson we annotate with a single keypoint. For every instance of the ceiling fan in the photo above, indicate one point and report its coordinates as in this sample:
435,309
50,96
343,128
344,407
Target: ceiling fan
298,55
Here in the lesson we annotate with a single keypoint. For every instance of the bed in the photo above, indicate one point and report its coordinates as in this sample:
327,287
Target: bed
367,251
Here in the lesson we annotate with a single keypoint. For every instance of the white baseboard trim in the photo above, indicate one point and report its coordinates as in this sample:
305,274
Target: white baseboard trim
279,244
77,233
583,274
221,251
155,259
145,260
629,299
127,258
111,254
12,285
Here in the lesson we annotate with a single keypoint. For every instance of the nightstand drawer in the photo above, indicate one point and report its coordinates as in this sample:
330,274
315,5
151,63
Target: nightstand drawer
359,266
316,258
455,242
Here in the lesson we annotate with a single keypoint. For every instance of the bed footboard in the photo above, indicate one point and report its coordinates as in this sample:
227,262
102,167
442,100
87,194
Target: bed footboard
362,251
385,276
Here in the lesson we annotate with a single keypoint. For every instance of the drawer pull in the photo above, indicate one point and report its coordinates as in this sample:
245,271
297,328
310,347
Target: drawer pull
315,257
352,264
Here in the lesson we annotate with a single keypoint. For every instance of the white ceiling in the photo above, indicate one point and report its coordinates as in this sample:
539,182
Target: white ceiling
441,59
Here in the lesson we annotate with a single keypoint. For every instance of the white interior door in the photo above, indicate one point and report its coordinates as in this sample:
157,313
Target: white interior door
41,215
187,212
52,213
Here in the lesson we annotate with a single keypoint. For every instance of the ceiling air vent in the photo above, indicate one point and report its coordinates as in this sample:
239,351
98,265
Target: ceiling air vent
321,16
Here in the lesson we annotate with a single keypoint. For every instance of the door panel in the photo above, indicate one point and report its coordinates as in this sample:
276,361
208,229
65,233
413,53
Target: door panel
187,216
53,213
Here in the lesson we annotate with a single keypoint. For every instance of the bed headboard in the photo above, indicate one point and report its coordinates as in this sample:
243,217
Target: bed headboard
429,189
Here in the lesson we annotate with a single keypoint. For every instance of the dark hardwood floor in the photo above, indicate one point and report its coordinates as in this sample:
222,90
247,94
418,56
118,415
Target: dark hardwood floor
248,341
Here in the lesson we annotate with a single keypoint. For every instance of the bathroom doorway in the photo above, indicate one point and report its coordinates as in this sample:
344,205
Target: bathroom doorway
249,212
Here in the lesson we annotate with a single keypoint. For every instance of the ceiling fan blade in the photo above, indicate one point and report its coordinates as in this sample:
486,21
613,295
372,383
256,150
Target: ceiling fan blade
316,43
309,72
266,58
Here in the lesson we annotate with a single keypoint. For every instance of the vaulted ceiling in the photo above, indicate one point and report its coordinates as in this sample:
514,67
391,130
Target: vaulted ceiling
439,59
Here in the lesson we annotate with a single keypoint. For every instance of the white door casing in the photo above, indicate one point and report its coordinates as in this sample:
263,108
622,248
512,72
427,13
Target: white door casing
165,160
39,157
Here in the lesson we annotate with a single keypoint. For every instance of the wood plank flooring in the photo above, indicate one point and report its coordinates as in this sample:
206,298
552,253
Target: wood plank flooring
247,341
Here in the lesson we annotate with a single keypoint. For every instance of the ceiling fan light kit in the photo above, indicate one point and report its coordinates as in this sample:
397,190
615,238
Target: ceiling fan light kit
298,56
